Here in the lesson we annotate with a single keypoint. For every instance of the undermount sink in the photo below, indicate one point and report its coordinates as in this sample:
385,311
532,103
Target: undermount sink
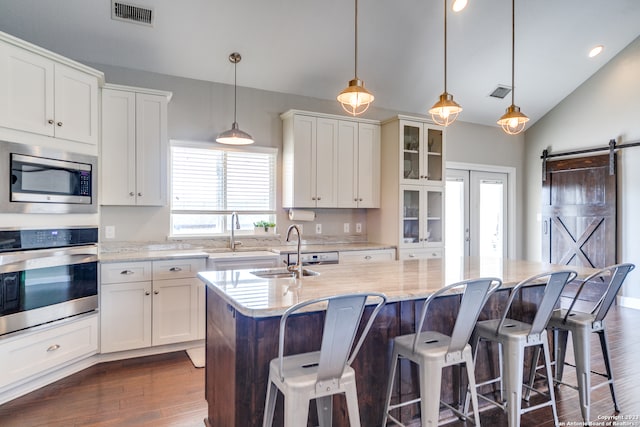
282,273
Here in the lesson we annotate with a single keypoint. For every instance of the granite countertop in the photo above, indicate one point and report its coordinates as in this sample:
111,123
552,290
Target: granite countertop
399,280
132,254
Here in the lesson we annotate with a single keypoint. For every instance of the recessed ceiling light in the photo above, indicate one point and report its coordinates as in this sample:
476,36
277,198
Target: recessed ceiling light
596,51
458,5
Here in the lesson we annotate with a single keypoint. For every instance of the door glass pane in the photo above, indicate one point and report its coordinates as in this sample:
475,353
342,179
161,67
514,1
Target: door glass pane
411,216
411,150
434,154
434,216
455,225
491,210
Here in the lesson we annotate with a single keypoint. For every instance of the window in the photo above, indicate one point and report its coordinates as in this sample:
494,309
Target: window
208,183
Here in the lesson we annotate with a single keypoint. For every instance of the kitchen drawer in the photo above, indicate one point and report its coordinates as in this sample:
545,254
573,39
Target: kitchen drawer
420,253
178,268
376,255
122,272
33,353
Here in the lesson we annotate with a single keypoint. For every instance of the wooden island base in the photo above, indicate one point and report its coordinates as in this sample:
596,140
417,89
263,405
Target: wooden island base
240,347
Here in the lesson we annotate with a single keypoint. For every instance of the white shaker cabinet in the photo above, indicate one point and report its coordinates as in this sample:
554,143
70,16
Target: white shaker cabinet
330,161
309,160
149,303
358,165
412,195
46,94
134,146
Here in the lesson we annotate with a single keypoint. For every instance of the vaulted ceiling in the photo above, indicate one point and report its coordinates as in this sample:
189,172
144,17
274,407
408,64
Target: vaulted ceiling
306,47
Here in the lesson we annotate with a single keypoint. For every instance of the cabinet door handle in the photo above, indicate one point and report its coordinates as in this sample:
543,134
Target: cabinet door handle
50,121
156,292
318,198
147,293
359,200
132,194
59,124
53,348
127,272
355,200
139,194
175,269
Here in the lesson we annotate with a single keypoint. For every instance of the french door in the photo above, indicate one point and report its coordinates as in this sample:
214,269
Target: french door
476,210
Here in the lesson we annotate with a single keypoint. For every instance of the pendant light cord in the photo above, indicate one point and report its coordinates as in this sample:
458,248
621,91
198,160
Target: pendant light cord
445,46
235,90
513,49
356,41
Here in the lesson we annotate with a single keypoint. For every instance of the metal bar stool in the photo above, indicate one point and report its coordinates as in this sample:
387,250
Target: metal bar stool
321,374
582,325
514,336
432,351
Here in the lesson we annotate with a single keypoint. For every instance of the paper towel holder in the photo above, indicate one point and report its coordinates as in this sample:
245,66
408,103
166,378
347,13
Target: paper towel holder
301,215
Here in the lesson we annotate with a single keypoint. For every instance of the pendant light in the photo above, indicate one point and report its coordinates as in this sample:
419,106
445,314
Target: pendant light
446,110
235,136
355,99
513,121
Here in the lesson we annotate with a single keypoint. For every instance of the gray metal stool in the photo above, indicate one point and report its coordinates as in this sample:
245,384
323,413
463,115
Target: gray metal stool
432,351
582,325
514,336
321,374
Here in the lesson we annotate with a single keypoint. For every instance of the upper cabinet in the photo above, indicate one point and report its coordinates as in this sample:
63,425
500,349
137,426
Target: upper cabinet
412,196
422,156
46,95
330,161
134,146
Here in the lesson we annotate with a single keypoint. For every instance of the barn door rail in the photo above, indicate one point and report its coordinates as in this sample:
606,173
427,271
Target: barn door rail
611,148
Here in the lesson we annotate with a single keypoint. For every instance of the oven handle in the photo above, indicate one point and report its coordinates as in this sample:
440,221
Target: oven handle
44,258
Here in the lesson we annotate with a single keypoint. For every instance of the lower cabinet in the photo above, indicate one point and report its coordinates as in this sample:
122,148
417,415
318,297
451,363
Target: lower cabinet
150,303
374,255
33,353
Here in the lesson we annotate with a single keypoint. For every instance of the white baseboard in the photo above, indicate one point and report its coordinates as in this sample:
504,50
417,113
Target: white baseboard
629,302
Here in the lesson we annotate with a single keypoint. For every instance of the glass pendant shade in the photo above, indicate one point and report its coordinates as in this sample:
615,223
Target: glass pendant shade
355,99
235,136
513,121
445,111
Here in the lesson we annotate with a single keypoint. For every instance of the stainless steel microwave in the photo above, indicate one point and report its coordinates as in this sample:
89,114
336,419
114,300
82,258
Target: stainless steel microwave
43,180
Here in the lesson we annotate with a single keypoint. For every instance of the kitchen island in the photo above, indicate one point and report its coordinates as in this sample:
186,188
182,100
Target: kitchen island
243,315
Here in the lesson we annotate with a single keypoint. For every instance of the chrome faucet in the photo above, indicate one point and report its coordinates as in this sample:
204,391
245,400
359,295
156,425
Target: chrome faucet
298,266
234,225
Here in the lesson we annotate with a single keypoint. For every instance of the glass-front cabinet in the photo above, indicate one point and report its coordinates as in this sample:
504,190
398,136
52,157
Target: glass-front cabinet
422,212
422,153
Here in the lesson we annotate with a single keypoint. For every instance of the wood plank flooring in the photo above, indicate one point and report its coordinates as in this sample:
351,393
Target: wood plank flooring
166,390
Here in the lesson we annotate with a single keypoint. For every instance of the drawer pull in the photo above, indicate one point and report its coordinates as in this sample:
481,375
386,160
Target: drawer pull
147,293
53,348
367,257
412,255
175,269
127,272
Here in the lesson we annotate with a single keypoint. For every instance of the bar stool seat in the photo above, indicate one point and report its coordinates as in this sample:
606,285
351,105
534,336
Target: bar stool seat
432,351
514,336
321,374
582,325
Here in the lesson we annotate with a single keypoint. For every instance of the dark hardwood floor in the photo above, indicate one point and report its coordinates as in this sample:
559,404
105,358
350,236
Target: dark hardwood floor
166,390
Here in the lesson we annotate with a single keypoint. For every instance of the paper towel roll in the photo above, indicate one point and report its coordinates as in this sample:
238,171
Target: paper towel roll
298,215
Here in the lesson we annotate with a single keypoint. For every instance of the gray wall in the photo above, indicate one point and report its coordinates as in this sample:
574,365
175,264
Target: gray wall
199,110
606,106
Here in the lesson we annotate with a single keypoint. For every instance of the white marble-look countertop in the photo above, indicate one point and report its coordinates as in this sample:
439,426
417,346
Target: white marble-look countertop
399,280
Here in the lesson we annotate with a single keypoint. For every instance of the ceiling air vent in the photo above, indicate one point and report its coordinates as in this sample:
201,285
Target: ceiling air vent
131,13
500,92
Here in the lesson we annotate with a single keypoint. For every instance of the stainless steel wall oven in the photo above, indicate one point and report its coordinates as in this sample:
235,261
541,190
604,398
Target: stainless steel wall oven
46,275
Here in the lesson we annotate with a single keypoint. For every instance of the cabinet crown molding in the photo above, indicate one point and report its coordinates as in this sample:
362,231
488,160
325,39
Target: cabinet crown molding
8,38
290,113
144,90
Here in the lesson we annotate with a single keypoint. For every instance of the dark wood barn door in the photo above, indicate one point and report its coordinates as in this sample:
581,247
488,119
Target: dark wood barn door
579,212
